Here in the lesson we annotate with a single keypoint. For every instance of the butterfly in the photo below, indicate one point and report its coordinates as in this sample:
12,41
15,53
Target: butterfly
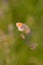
23,27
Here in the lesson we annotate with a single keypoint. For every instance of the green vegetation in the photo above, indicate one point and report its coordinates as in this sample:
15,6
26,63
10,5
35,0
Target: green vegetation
13,49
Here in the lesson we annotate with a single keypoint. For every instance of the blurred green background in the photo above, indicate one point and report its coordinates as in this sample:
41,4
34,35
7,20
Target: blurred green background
13,49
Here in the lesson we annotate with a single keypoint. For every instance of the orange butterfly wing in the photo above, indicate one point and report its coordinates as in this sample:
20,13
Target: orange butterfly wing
19,25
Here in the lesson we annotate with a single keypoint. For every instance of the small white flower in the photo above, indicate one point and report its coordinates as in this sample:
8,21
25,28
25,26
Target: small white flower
33,46
22,36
